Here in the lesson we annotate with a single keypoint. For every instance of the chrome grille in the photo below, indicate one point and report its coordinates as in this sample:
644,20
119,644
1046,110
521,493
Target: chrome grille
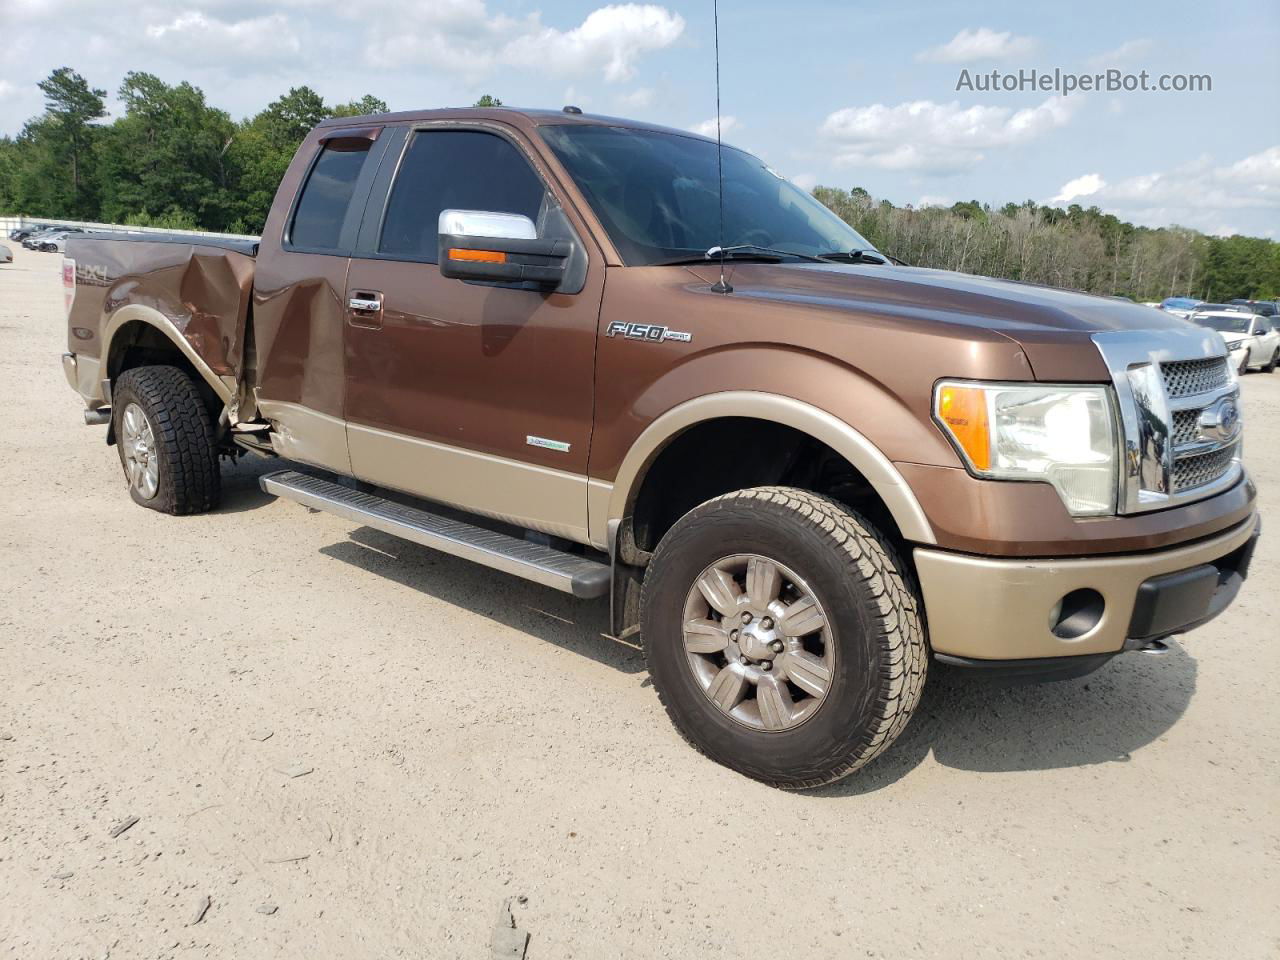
1201,469
1174,390
1187,378
1186,426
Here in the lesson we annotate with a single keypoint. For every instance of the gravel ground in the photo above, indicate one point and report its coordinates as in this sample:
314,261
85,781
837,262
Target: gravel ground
472,738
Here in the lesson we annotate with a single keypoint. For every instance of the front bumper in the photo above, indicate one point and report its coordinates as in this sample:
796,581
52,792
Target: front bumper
1239,356
982,609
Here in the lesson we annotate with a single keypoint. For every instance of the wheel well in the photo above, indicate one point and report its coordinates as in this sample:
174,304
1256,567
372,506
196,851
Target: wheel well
732,453
139,344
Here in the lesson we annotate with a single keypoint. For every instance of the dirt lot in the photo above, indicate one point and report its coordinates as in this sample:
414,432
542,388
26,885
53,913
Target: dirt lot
473,738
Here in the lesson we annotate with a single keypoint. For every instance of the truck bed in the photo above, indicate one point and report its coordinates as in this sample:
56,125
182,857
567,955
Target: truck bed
123,290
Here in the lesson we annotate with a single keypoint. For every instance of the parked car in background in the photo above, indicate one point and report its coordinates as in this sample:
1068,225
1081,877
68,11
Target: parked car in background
53,242
32,240
1253,340
6,255
1178,306
48,240
1264,308
21,233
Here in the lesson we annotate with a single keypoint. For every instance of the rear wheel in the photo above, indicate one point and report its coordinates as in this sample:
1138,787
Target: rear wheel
783,636
165,438
1271,364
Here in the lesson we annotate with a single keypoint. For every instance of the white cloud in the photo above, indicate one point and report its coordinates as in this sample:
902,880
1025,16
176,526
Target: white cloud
1084,186
931,200
638,99
612,38
1198,194
196,37
1129,50
936,137
980,44
805,181
708,127
462,36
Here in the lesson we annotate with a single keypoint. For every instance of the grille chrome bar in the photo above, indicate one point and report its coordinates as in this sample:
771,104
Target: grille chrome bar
1165,382
1189,378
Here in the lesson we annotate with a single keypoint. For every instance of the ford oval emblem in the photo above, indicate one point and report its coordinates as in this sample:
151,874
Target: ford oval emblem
1220,421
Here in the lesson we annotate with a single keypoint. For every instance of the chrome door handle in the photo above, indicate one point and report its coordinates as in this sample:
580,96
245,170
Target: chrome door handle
364,306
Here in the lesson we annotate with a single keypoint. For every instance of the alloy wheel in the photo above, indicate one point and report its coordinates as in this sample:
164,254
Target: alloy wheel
758,642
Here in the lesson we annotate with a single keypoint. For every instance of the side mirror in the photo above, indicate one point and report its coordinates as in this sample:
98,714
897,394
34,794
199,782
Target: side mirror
499,248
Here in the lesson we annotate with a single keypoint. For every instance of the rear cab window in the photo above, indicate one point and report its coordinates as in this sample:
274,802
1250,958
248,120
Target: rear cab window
325,218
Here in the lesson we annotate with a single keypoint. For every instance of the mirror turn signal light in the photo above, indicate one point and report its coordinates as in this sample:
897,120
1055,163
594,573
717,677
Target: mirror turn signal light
478,256
963,410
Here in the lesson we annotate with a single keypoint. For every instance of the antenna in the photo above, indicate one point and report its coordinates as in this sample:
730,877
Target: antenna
721,286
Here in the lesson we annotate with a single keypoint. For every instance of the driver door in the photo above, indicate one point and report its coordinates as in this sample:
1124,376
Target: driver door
475,394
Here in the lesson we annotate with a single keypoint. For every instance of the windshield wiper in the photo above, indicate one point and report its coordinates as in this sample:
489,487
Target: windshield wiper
730,257
856,256
715,253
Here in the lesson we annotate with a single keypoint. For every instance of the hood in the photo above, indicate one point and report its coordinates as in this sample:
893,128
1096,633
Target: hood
1054,327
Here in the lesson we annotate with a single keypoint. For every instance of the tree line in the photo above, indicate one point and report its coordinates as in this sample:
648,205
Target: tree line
170,160
173,160
1077,248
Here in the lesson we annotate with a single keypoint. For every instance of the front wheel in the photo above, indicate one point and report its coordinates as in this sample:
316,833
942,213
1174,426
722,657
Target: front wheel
783,635
165,437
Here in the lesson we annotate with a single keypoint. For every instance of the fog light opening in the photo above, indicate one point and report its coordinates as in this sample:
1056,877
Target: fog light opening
1076,614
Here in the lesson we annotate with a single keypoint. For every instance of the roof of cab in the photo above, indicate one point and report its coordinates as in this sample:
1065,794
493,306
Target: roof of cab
535,117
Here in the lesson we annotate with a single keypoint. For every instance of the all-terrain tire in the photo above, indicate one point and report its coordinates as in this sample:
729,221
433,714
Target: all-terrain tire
873,612
184,439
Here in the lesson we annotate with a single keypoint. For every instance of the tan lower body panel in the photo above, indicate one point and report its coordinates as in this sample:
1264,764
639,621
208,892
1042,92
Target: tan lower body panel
83,375
526,495
306,435
1000,609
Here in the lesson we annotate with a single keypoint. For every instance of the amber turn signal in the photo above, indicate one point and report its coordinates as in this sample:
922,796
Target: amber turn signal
478,256
963,410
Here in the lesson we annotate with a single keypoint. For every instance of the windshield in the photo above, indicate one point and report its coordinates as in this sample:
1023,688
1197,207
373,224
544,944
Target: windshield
656,195
1237,324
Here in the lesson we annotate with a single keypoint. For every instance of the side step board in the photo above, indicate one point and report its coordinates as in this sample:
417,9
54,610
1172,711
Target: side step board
569,572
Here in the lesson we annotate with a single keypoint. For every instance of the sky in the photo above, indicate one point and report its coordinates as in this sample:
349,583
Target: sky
831,93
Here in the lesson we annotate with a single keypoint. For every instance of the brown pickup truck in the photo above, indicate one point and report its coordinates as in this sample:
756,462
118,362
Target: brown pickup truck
570,348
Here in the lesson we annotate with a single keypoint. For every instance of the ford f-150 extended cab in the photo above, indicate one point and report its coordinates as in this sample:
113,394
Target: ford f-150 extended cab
800,471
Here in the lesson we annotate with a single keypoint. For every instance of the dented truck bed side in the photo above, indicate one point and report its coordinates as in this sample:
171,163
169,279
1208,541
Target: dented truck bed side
125,291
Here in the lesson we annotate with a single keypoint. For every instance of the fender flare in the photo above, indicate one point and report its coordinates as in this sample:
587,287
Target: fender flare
610,503
224,387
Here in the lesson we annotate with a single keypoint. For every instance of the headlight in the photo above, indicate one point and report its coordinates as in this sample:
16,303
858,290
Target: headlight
1063,435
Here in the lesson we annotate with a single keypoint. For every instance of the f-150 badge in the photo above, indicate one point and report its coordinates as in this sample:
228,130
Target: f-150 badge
652,332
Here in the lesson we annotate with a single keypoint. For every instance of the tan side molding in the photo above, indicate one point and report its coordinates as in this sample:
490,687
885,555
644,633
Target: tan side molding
817,423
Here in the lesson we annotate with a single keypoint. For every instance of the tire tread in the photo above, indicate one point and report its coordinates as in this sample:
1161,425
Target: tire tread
873,559
190,478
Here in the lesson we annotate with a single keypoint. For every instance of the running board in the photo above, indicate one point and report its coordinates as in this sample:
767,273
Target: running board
569,572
